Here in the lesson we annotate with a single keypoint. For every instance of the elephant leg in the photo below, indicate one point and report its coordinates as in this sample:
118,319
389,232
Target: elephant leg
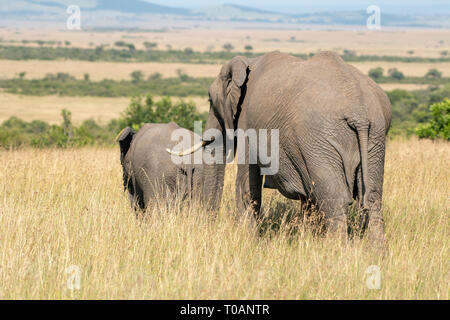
136,201
375,224
335,211
135,196
249,189
375,227
133,202
333,199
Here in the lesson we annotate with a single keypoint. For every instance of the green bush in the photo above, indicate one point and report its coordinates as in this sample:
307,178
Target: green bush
395,74
376,73
145,110
433,74
150,45
411,108
137,76
439,124
16,133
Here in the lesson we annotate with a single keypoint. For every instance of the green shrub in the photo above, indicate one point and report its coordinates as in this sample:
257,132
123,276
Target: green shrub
150,45
433,74
145,110
439,124
137,76
15,133
228,47
411,108
395,74
155,76
376,73
60,76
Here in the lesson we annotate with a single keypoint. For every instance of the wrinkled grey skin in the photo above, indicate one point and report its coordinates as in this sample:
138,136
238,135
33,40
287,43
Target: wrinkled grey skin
332,121
148,170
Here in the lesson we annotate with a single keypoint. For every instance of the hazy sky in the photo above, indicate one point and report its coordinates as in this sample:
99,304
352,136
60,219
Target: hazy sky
299,6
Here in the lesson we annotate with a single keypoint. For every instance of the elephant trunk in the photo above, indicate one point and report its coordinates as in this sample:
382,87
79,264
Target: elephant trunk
214,173
214,176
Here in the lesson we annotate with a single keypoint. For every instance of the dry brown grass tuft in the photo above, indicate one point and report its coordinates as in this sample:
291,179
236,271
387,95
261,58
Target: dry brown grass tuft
66,207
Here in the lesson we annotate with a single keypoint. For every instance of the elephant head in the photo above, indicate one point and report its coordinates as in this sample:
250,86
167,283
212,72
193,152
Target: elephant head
225,95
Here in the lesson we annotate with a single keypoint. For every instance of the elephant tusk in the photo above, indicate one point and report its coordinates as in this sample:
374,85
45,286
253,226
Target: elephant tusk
118,136
191,150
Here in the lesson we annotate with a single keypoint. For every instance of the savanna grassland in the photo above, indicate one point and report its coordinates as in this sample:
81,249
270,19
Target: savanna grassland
63,207
398,42
66,207
173,46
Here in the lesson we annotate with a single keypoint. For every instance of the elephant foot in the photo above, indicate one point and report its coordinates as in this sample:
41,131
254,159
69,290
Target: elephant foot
376,236
336,227
254,208
248,221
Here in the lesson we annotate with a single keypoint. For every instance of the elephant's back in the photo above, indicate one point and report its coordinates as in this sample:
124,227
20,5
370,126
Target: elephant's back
150,161
296,89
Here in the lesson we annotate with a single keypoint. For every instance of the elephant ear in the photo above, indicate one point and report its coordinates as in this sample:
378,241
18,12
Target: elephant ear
236,77
124,138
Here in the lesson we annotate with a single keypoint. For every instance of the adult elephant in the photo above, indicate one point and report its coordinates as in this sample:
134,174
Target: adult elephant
149,171
332,123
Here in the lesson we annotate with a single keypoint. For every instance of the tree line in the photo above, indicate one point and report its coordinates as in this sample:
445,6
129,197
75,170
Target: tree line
128,53
65,84
426,114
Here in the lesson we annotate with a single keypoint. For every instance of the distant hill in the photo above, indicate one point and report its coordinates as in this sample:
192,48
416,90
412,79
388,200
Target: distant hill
122,6
137,6
113,13
236,12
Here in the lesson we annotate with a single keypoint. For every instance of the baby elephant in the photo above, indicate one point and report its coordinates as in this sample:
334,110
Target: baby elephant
148,169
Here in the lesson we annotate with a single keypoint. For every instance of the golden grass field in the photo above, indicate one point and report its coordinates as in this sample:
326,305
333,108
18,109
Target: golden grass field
37,69
66,207
424,42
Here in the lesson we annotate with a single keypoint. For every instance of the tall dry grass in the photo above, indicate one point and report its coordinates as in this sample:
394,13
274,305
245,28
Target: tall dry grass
65,207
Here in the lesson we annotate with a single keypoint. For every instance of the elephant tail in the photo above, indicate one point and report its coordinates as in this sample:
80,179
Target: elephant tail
362,130
363,137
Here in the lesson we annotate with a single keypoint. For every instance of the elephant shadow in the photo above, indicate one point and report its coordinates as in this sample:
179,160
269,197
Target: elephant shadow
280,214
